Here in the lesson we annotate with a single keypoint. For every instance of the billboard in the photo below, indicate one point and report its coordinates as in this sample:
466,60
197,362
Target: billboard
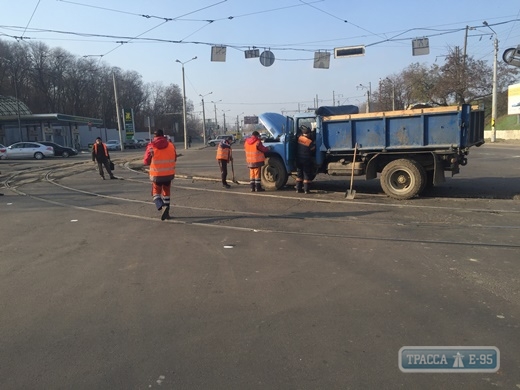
513,99
250,120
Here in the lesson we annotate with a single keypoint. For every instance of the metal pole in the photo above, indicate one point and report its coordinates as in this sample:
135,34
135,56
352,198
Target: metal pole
184,110
204,116
215,106
18,108
117,113
203,122
184,102
224,114
494,98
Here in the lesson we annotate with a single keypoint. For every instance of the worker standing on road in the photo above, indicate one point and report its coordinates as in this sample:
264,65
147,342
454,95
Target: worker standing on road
224,155
255,158
304,165
102,157
161,156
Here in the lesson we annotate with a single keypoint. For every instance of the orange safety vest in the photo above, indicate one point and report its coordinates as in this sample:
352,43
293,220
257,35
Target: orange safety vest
223,153
163,161
254,157
304,140
104,147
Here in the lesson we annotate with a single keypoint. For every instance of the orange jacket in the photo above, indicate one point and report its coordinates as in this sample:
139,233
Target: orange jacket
163,160
224,151
99,157
255,152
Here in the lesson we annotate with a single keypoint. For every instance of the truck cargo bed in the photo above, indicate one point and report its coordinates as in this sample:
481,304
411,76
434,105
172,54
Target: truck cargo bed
425,128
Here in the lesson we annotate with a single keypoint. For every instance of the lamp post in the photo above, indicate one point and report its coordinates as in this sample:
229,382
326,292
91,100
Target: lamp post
184,102
224,115
204,116
494,93
369,92
238,123
215,107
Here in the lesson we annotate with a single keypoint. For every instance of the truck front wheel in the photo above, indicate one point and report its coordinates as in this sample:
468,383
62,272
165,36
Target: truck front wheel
274,176
403,179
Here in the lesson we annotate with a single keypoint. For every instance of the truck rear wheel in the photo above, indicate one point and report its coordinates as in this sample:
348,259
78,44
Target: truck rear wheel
274,176
403,179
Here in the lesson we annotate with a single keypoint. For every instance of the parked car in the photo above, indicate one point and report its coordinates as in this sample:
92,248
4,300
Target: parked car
131,144
142,142
218,138
59,150
3,152
29,150
113,144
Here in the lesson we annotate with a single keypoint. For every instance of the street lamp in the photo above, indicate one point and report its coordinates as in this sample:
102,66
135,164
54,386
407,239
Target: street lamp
224,115
369,92
238,123
494,96
184,102
204,116
215,107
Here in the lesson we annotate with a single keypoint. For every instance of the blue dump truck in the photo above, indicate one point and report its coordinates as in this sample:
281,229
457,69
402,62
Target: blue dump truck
409,149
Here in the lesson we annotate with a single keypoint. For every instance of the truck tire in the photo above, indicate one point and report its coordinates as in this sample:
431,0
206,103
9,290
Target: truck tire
273,174
403,179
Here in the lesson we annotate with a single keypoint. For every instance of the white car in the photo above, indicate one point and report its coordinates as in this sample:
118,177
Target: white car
113,144
219,138
29,150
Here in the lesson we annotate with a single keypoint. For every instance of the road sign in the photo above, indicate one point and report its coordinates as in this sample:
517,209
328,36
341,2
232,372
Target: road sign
267,58
351,51
420,46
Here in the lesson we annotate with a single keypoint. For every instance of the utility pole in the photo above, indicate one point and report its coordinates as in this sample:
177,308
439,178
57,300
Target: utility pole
184,102
117,114
204,117
494,92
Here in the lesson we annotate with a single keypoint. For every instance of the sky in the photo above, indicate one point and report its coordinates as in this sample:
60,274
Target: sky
150,37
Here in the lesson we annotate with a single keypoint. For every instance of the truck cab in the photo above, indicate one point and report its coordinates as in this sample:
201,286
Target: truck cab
283,134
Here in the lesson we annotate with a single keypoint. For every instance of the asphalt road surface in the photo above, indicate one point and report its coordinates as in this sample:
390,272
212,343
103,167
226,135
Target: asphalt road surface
241,290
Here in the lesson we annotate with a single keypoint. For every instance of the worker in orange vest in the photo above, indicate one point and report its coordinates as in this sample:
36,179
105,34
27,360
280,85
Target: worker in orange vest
255,158
101,156
161,156
224,155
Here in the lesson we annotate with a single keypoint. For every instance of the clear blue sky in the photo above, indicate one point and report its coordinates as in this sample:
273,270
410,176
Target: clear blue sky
291,29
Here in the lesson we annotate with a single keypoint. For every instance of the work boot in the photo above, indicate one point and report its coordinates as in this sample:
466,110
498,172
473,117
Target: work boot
252,187
306,188
259,188
226,185
113,177
102,177
159,203
166,213
299,187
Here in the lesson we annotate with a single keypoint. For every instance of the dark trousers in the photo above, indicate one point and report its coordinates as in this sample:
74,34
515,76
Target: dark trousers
303,174
107,167
223,170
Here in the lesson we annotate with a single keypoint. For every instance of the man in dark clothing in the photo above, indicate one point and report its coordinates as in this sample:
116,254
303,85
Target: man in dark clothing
304,160
102,157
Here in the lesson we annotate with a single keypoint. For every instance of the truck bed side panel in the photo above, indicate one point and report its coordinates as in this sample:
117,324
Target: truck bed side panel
431,129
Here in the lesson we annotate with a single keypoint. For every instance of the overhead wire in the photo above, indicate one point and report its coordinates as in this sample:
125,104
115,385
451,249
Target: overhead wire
30,19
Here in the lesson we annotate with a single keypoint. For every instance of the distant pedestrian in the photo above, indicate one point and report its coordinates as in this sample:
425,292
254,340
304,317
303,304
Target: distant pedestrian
255,158
304,160
161,156
189,141
102,157
224,155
